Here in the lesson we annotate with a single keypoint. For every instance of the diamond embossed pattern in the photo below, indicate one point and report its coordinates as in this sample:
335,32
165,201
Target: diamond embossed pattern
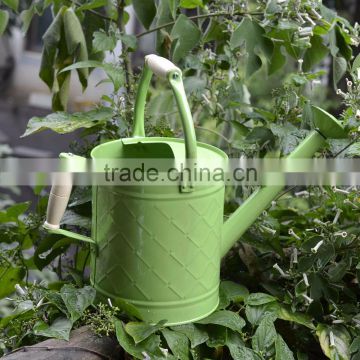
158,249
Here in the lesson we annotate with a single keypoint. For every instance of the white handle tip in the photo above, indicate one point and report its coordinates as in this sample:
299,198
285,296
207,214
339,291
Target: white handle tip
159,65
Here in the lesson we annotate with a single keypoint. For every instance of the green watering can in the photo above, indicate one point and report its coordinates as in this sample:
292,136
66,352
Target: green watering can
159,247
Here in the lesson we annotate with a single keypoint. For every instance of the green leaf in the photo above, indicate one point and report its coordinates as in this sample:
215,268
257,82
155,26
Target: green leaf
140,331
76,43
77,300
255,314
315,54
301,356
61,89
298,80
297,317
282,350
145,11
94,4
252,34
356,64
72,218
18,209
259,299
83,65
339,69
128,307
232,292
20,316
116,75
355,345
9,277
325,254
150,345
305,263
26,17
196,335
13,212
233,341
260,135
178,343
103,41
4,19
340,350
92,23
338,271
51,40
328,14
220,336
191,4
63,123
195,85
215,31
319,286
12,4
342,43
278,59
273,7
265,334
49,248
185,35
129,41
354,150
173,5
225,318
54,297
114,72
242,353
59,329
164,15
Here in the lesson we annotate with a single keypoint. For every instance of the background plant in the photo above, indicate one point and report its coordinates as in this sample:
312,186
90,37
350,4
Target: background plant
297,265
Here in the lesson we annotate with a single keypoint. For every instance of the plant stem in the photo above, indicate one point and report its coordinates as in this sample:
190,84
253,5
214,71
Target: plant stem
124,53
346,147
195,17
285,192
59,268
213,132
94,12
85,262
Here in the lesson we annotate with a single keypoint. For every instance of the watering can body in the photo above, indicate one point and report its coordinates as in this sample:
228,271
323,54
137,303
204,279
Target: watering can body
159,248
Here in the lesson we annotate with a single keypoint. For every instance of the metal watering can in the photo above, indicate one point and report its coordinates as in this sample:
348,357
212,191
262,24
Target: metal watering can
159,248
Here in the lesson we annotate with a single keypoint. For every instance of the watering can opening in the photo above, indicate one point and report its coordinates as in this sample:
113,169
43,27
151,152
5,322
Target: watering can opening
131,148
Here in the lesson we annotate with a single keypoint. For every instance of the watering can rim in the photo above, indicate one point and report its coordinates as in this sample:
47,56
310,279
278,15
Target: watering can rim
158,139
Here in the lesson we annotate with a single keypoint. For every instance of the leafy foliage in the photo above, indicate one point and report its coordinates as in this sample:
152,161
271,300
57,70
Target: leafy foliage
63,123
4,19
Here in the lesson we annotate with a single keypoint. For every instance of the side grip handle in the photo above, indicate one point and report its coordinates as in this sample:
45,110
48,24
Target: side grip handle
58,200
59,197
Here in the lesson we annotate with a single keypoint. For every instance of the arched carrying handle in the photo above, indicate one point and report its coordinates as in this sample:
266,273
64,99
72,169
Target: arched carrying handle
166,69
60,194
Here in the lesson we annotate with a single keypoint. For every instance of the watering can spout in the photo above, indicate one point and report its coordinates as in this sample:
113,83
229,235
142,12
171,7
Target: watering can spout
326,126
